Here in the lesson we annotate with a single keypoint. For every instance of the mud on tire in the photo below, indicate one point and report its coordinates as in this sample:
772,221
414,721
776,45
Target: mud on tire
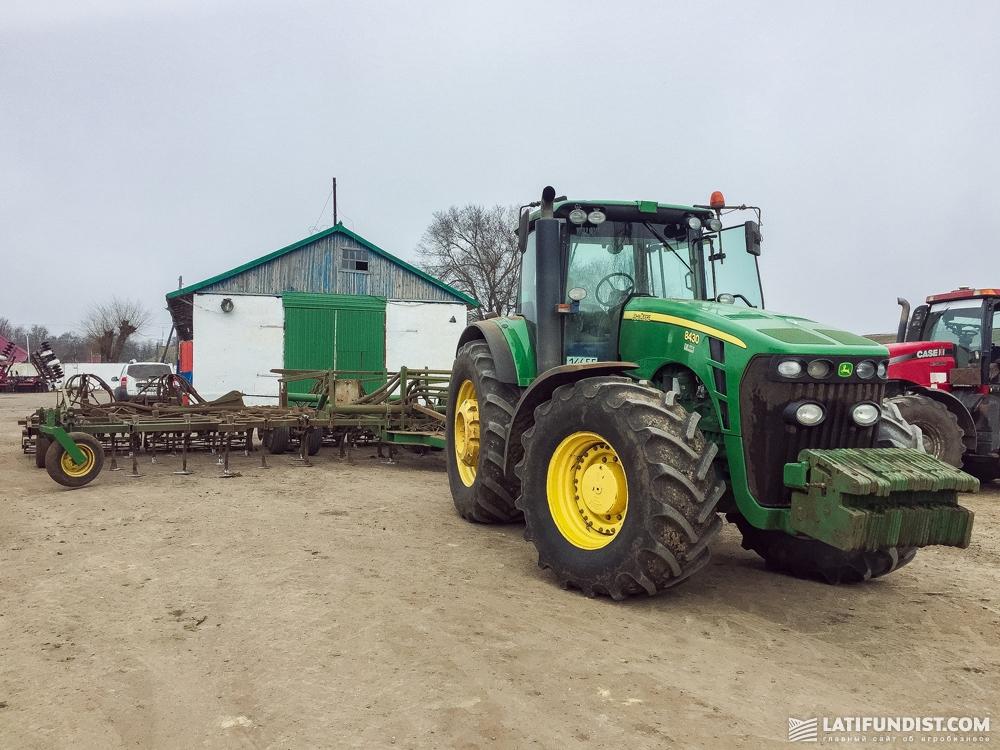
672,488
490,498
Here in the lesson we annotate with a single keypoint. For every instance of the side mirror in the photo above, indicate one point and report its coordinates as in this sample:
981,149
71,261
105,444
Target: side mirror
522,232
753,238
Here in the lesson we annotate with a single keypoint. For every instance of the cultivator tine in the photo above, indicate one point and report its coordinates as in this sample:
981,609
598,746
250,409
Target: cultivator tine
226,473
114,454
134,452
184,455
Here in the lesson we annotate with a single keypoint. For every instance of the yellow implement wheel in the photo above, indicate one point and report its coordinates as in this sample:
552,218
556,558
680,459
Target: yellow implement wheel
587,490
467,432
71,469
65,471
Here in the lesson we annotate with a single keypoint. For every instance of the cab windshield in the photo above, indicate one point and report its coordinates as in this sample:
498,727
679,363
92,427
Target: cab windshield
616,260
961,323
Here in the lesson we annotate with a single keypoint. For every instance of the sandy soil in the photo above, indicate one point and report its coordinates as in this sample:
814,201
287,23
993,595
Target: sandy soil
346,605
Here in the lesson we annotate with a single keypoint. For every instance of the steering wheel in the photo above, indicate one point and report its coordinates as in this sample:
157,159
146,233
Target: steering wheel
605,302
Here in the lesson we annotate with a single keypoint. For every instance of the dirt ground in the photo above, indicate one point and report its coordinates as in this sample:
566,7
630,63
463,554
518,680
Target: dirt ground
346,605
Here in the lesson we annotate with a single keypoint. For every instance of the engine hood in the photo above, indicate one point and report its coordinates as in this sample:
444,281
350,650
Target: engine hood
758,330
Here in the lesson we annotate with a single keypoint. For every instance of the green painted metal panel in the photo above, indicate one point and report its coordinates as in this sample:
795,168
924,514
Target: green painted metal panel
334,331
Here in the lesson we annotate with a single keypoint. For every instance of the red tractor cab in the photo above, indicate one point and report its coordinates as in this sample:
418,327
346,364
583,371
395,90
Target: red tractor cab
944,373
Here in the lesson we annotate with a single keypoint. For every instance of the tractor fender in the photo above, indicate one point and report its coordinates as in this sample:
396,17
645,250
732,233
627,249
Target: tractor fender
489,331
956,407
540,391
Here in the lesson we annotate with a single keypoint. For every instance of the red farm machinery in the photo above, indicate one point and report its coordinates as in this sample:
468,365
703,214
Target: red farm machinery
944,372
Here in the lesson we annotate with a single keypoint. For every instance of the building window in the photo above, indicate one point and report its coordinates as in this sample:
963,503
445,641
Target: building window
354,259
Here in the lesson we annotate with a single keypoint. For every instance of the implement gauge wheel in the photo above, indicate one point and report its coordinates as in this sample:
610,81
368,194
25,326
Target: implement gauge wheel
61,468
480,408
619,491
42,443
315,440
277,439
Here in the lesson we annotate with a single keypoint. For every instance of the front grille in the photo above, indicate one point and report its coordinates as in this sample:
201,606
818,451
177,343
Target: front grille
769,442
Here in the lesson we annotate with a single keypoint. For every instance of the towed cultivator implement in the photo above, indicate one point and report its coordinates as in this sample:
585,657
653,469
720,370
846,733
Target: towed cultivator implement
72,439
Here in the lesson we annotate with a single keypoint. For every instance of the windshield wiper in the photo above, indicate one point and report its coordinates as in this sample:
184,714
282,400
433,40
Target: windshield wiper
666,243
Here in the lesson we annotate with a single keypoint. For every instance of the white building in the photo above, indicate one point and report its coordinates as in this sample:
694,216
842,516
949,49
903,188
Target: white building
332,300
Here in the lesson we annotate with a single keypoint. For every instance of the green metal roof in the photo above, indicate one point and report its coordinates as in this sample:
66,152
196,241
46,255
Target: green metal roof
337,229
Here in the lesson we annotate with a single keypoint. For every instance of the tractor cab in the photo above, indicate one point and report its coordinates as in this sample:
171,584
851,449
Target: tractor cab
603,254
951,341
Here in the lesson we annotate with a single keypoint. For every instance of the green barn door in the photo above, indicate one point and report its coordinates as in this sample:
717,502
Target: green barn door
334,331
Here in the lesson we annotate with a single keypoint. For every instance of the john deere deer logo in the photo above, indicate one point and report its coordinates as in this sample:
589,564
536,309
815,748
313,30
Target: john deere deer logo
845,369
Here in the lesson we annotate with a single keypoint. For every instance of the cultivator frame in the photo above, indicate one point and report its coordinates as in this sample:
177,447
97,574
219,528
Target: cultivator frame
406,410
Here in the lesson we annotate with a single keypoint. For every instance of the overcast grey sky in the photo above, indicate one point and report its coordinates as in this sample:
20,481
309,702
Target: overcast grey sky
140,141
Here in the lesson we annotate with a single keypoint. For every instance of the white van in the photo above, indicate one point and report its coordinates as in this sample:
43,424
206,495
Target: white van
137,377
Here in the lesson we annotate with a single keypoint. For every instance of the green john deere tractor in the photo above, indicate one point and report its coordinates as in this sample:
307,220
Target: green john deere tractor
643,390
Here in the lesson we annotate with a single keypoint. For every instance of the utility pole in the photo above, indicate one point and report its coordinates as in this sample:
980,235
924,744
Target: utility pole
335,201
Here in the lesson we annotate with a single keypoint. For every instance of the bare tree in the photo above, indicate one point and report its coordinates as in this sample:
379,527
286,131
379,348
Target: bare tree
109,325
7,329
474,249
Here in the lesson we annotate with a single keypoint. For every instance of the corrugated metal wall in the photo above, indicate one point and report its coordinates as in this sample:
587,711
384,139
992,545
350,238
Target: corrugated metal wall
334,331
318,268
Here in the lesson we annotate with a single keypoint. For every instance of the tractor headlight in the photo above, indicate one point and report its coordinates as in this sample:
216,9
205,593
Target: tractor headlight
819,368
596,217
883,370
578,216
790,368
693,222
865,369
805,413
714,225
865,415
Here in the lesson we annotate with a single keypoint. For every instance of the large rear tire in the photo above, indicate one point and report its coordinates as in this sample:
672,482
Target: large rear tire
809,558
618,488
943,438
480,409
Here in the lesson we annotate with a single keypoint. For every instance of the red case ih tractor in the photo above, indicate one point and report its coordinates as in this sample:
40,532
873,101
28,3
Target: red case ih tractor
944,375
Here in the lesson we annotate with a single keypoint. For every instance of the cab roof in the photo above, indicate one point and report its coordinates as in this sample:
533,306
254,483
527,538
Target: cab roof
964,292
627,210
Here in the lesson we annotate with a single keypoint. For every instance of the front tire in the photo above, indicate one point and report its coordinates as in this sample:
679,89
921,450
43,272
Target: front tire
480,409
618,488
943,438
810,558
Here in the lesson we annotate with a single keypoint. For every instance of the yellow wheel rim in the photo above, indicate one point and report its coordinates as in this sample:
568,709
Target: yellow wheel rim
71,469
587,490
466,431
